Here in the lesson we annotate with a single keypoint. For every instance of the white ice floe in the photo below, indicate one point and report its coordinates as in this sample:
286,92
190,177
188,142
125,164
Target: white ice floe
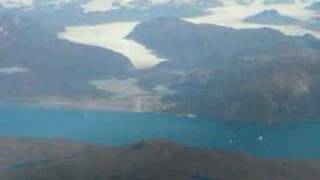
260,138
12,70
86,115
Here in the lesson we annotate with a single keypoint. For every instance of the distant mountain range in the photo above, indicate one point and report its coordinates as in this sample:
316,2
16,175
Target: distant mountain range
66,13
107,5
57,14
272,17
315,6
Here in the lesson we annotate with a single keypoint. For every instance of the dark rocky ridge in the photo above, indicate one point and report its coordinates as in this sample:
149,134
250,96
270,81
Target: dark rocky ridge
61,160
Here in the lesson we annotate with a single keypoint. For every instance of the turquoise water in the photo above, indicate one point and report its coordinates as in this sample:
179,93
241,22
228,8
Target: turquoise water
284,140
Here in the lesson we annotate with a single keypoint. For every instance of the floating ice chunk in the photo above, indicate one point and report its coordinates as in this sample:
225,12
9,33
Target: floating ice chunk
260,138
12,70
86,115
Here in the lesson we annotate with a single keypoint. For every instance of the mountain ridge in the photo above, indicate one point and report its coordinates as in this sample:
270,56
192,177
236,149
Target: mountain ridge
245,76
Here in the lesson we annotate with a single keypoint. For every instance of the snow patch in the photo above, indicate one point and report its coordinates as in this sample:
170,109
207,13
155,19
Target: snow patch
113,36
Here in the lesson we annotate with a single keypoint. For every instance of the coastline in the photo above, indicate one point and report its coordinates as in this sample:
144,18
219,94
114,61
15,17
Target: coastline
88,104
